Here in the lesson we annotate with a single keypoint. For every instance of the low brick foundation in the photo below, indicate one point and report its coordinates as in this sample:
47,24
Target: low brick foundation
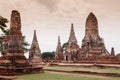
18,71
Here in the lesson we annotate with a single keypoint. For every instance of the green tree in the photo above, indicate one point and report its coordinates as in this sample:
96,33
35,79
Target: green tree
3,25
63,46
25,44
1,38
48,55
5,31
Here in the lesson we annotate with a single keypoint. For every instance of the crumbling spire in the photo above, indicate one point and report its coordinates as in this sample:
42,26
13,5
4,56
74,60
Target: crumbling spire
35,52
15,21
15,31
92,26
58,49
72,38
112,51
58,53
35,44
34,36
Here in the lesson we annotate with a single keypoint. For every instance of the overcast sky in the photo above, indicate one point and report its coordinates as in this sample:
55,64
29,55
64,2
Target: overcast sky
51,18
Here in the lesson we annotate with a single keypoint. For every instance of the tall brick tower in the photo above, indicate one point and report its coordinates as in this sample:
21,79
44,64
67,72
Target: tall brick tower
93,44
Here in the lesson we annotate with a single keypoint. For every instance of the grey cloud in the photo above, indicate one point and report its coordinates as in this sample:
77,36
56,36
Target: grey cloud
50,4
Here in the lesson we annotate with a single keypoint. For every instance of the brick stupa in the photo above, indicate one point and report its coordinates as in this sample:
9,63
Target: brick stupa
58,53
35,57
72,48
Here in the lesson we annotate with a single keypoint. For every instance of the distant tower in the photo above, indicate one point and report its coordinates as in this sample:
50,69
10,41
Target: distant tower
112,51
92,43
58,53
72,48
72,38
35,57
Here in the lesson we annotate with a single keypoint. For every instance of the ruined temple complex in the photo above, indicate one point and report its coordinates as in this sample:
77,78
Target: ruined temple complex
35,57
92,49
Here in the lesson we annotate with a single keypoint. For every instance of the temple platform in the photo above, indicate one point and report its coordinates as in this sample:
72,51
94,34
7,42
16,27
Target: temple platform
9,71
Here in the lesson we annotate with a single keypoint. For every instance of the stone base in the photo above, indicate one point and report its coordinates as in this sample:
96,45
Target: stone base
16,63
17,71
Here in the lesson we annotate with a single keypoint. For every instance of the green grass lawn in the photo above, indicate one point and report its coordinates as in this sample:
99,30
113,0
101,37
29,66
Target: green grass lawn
62,76
93,69
69,76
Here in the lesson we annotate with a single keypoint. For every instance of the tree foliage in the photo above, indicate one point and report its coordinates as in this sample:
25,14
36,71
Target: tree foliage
3,25
5,31
25,44
48,55
63,46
